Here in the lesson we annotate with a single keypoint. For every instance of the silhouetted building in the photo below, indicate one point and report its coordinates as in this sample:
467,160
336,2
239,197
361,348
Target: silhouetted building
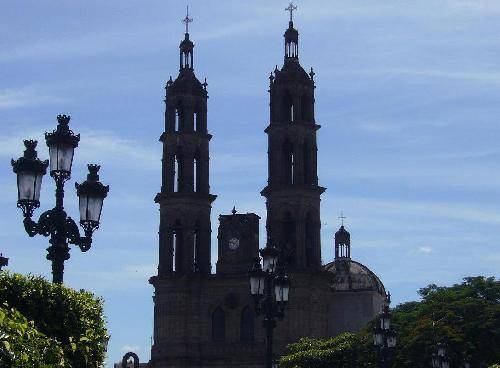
205,319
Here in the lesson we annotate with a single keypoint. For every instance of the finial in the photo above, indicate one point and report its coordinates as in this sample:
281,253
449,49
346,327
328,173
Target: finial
234,210
312,74
93,172
342,217
187,20
63,119
291,8
205,84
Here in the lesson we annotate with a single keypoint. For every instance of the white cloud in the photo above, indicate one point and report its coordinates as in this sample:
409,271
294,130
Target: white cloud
29,96
425,249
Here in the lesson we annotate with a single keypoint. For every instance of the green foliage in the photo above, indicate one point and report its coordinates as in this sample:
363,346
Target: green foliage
338,352
73,319
465,316
21,345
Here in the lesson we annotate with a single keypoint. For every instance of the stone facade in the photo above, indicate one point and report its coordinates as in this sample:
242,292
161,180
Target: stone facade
205,319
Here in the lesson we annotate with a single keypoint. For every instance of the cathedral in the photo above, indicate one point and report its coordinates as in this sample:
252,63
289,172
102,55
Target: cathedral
205,317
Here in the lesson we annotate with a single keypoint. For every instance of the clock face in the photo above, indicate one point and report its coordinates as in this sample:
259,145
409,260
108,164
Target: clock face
234,243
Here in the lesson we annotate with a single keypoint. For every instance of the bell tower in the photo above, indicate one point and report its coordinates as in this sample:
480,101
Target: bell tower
185,200
292,192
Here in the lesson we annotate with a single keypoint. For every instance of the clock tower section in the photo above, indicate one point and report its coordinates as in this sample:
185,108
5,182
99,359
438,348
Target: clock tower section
238,242
185,200
292,192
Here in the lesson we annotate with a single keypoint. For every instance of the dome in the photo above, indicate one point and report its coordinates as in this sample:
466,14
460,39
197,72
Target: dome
349,275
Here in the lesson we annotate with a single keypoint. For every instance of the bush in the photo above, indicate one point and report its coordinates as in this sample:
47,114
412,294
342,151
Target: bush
338,352
74,319
21,345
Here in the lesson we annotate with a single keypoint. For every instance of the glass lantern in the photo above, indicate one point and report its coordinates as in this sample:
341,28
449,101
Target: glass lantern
91,194
257,280
30,171
270,258
281,289
62,143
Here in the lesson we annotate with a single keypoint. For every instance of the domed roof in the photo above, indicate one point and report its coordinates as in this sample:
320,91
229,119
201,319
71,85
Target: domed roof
349,275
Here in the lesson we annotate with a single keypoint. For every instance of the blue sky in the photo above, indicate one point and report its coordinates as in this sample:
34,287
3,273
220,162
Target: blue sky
408,96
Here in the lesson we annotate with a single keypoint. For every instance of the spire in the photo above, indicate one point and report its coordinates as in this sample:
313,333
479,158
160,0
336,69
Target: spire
291,36
186,47
342,241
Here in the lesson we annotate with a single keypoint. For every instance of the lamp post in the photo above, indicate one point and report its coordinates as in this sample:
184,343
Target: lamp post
4,261
440,359
265,281
384,336
55,223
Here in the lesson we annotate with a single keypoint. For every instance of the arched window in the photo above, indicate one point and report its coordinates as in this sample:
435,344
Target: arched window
218,325
288,110
179,118
196,246
177,251
247,324
178,171
288,162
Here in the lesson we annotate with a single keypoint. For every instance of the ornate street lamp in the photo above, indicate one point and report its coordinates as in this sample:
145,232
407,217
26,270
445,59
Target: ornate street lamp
4,261
55,223
384,336
263,281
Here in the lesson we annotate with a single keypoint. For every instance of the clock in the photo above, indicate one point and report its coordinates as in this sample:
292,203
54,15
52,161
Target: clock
234,243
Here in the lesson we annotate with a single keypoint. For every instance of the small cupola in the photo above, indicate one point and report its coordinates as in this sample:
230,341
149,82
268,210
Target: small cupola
186,47
291,37
342,242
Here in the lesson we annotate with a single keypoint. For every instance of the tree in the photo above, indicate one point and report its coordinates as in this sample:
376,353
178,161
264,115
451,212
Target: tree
465,316
73,319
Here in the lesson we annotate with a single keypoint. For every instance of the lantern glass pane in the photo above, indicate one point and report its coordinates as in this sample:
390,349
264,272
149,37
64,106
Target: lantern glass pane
61,157
26,186
445,364
278,292
377,339
83,207
269,263
441,351
385,323
94,208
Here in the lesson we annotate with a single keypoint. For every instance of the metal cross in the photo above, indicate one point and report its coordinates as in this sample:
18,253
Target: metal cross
342,217
291,8
187,20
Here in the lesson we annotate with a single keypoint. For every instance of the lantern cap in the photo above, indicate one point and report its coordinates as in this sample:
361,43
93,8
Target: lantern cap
92,186
62,134
29,161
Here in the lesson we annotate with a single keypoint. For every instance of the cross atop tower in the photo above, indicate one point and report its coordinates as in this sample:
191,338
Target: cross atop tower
291,8
342,217
187,20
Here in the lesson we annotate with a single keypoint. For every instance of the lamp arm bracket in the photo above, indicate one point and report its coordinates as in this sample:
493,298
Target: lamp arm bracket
74,237
42,227
30,226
